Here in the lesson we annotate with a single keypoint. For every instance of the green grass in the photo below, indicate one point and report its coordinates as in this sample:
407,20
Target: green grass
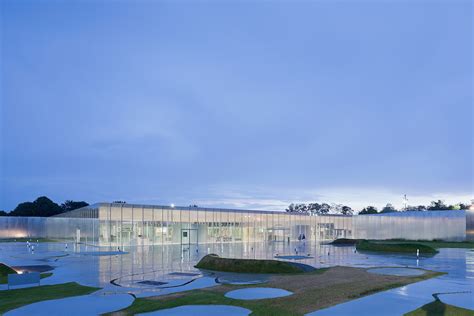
438,308
434,244
395,247
12,299
344,242
216,263
430,243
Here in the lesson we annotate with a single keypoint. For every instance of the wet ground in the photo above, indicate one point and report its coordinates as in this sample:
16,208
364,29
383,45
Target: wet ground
397,271
257,293
159,270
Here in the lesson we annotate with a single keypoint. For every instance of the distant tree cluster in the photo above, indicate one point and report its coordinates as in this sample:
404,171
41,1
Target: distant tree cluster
70,205
325,208
438,205
368,210
319,209
44,207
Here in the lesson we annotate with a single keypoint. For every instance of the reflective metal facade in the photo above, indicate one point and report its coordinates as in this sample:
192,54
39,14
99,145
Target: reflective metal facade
121,225
470,224
48,227
426,225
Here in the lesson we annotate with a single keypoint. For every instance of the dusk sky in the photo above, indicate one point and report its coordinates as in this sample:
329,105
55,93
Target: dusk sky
237,104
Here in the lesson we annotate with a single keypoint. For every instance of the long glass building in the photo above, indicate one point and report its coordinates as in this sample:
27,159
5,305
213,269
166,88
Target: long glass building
128,224
122,225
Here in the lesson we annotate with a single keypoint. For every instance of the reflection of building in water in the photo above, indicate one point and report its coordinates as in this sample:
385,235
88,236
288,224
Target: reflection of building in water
123,225
149,262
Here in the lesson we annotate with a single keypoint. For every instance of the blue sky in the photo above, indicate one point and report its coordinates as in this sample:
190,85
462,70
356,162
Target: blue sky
246,104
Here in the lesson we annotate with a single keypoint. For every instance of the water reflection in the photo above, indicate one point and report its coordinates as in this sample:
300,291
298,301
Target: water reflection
145,262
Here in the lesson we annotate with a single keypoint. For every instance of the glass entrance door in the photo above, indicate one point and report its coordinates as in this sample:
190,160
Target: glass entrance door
279,234
189,236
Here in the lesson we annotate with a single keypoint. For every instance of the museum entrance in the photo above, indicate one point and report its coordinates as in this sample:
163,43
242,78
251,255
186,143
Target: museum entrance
279,234
189,236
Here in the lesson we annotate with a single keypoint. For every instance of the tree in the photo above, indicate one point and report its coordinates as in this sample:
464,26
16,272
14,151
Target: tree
415,208
336,208
325,208
3,213
368,210
70,205
314,208
42,206
297,208
319,209
301,208
437,206
346,210
388,209
463,206
291,208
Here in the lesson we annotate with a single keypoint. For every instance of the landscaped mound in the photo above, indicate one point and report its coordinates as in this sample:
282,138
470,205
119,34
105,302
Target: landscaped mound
395,247
344,242
6,270
216,263
439,308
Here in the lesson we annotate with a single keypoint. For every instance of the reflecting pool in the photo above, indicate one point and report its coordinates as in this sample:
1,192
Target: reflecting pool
158,270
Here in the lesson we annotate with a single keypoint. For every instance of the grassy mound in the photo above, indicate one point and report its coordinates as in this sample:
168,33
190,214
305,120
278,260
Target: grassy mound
395,247
12,299
438,308
216,263
6,270
433,243
344,242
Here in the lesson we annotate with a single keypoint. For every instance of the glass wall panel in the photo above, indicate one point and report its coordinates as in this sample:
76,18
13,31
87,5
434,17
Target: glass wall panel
120,225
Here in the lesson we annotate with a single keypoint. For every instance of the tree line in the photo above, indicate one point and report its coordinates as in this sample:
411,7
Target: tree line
326,208
44,207
438,205
319,209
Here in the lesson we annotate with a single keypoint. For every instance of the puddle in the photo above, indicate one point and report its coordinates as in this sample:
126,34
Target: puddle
294,257
257,293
